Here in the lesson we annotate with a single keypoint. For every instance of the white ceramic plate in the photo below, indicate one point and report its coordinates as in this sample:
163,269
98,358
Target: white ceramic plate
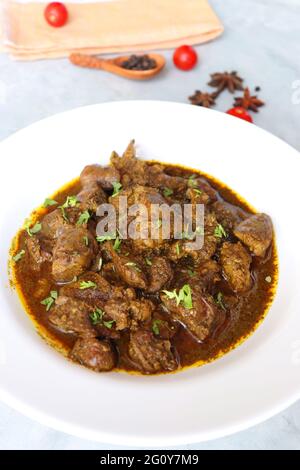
250,384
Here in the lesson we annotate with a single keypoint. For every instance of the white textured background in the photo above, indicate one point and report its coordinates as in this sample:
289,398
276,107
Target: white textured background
262,42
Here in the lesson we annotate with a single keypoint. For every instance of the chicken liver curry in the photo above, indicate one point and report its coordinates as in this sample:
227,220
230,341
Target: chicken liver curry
149,306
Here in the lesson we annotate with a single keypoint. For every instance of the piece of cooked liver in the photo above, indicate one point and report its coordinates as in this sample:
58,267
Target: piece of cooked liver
236,261
93,353
124,302
199,319
72,316
151,354
72,255
160,273
104,176
256,232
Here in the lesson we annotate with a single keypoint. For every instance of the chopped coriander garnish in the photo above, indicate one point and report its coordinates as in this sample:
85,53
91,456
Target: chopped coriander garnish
33,230
191,272
220,301
108,324
168,192
200,230
104,238
184,296
220,232
158,223
197,191
18,256
64,213
117,188
87,284
49,202
133,265
172,295
187,236
49,301
155,326
117,244
96,316
71,201
86,240
148,261
191,181
83,218
36,228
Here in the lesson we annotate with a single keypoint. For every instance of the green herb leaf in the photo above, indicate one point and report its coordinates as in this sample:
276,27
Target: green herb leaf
18,256
64,213
191,273
108,324
49,202
184,296
33,230
158,223
197,191
117,244
86,240
191,181
133,265
220,301
87,285
177,249
117,188
168,192
187,236
96,316
49,301
155,326
148,261
71,201
36,228
220,232
83,218
200,230
108,237
171,294
54,294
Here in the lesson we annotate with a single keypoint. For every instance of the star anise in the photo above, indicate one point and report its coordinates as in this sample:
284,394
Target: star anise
203,99
248,102
222,81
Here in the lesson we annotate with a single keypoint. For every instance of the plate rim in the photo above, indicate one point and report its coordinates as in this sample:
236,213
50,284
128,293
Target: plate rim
115,438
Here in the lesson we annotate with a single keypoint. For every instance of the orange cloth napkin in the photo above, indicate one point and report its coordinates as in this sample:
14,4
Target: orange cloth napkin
106,26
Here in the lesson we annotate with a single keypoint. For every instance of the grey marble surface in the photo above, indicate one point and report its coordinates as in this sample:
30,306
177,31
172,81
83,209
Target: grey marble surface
262,42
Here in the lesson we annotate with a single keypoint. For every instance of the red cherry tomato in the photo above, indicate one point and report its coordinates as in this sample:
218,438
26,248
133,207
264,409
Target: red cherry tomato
185,57
240,113
56,14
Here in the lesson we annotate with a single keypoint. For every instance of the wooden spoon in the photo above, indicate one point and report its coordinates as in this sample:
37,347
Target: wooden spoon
114,65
